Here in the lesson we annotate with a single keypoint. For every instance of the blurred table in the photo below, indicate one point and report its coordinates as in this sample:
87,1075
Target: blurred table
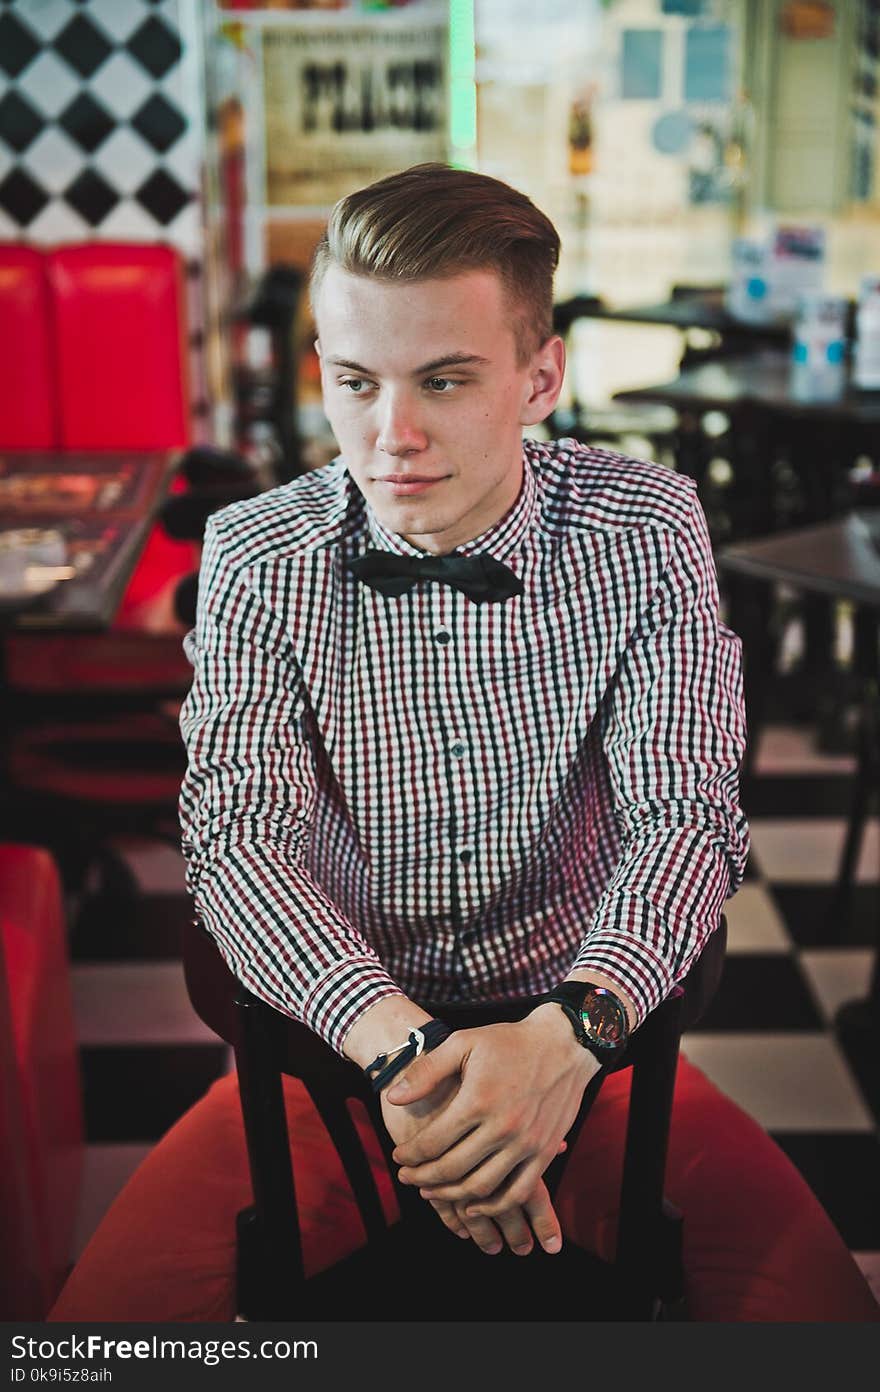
760,380
839,559
695,309
820,441
821,438
72,528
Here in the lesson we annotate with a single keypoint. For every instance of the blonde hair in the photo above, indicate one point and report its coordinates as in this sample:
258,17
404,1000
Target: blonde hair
434,221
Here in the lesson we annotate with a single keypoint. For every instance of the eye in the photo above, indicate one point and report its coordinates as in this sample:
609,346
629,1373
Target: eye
355,385
439,385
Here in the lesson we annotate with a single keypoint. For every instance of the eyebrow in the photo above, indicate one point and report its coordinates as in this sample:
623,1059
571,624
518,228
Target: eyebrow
450,360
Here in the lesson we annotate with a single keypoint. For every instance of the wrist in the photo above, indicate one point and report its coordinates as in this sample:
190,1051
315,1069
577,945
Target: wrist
597,1016
599,978
552,1029
382,1027
387,1066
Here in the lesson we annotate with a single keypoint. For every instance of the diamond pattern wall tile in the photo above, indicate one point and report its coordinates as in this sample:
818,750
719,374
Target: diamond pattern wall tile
9,230
129,222
49,83
99,122
125,161
182,162
118,18
45,17
21,197
160,123
83,45
162,196
53,159
155,46
18,45
58,222
86,122
91,196
121,84
186,232
20,124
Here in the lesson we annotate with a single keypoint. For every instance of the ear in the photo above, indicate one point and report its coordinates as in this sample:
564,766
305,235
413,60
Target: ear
545,376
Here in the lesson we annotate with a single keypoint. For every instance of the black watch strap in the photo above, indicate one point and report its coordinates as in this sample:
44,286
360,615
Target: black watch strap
598,1018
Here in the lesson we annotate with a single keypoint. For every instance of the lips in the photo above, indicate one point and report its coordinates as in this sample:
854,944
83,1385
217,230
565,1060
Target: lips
410,478
403,484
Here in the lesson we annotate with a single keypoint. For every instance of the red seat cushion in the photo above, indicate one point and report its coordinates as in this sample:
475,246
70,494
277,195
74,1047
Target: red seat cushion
27,367
37,1010
120,326
758,1246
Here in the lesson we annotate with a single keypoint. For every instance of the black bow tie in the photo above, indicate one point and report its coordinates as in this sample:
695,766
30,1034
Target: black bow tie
480,577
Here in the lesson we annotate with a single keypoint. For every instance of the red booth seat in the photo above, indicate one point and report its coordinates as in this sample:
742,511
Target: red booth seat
42,1140
758,1246
27,376
121,350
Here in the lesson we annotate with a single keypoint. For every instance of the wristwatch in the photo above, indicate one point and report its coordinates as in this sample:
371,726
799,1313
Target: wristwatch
598,1018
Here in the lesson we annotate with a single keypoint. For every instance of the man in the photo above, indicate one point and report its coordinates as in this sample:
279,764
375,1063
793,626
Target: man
464,724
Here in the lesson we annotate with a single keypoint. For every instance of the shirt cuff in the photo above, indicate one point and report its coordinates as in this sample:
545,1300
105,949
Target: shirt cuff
342,995
626,959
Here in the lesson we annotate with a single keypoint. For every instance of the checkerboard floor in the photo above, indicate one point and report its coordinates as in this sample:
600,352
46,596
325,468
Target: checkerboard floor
767,1040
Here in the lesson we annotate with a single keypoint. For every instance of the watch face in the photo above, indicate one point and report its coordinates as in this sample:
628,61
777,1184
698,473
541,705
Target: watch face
604,1017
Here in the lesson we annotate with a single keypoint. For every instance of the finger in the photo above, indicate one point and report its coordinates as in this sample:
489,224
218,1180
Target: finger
450,1218
450,1166
482,1230
515,1230
516,1190
435,1145
425,1073
484,1233
434,1170
542,1216
484,1181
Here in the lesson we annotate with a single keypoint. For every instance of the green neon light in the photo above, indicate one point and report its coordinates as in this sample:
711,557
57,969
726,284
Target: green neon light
462,84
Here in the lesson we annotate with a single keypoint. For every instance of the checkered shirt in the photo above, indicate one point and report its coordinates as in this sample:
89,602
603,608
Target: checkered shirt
455,800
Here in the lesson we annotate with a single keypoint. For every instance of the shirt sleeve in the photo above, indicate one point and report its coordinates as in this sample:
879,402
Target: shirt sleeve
246,810
673,726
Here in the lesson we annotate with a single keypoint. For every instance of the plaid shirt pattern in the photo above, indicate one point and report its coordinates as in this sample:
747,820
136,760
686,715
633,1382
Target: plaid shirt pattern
460,800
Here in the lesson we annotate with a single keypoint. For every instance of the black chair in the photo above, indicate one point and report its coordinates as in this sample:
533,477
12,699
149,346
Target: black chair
416,1266
640,429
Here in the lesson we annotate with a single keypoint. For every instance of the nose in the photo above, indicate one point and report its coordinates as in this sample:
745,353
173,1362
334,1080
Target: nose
399,430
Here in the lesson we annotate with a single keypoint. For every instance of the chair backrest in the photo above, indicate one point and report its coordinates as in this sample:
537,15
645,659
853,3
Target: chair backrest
120,330
268,1043
27,367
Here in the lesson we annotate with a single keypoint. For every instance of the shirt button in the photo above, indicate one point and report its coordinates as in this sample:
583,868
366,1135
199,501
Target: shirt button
442,637
467,936
457,750
465,857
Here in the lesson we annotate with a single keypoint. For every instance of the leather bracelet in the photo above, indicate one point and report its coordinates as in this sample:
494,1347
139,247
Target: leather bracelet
420,1041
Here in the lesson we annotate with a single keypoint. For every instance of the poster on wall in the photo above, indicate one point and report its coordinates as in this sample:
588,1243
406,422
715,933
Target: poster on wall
346,103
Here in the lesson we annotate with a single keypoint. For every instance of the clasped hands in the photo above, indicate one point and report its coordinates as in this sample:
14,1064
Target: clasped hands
477,1121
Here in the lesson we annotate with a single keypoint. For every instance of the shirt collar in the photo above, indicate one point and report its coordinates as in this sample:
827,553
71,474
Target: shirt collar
501,539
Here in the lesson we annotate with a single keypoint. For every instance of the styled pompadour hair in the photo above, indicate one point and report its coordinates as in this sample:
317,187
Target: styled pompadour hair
432,221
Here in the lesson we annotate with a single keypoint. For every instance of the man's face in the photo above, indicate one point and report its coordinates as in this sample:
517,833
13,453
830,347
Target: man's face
427,401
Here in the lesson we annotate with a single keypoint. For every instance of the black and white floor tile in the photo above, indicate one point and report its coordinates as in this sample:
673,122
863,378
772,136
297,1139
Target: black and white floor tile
768,1039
